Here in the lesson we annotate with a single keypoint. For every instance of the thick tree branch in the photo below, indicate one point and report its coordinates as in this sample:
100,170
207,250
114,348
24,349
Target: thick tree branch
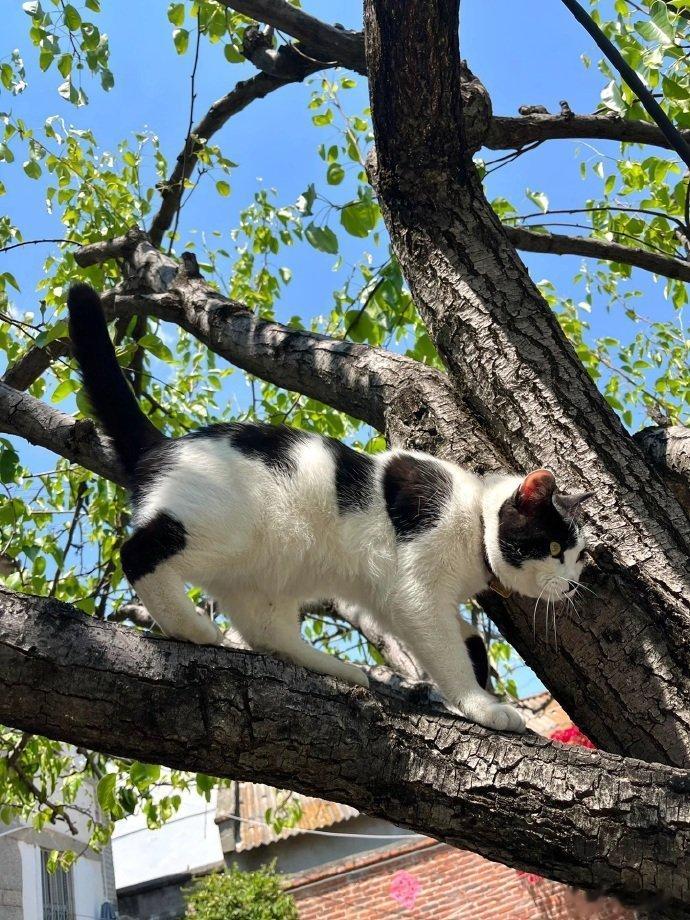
389,391
38,423
509,132
561,244
34,363
668,450
319,40
590,819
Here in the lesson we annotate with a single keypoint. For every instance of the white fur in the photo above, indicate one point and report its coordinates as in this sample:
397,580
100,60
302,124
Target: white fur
262,544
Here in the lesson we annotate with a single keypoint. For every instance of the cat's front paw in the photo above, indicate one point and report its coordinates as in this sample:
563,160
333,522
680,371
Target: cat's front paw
357,677
487,711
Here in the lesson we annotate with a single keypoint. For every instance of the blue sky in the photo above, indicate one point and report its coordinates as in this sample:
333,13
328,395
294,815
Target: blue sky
525,53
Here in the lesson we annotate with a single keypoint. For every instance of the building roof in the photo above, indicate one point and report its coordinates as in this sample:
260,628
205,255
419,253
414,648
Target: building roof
247,803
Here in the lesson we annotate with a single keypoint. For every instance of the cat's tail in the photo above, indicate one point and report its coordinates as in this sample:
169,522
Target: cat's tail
111,397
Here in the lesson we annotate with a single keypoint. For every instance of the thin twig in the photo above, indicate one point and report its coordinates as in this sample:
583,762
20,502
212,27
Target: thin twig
191,125
651,106
81,490
36,242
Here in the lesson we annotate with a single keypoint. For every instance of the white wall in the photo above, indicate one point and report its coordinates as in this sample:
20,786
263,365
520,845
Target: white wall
87,873
187,842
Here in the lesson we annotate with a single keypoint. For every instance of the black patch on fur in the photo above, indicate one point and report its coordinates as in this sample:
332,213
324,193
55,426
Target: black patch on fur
529,536
479,658
354,477
152,466
160,539
272,444
416,491
109,394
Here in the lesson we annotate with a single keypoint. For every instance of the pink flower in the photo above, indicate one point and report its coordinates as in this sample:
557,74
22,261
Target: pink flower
572,735
404,889
530,877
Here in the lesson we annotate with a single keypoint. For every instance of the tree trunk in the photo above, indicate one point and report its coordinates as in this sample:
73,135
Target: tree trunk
623,671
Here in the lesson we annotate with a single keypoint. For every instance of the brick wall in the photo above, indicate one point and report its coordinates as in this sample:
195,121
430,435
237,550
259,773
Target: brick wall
428,880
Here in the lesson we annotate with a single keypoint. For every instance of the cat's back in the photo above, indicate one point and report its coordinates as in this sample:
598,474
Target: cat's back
260,471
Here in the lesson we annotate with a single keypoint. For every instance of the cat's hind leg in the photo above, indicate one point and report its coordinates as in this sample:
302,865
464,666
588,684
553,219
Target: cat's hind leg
273,627
150,560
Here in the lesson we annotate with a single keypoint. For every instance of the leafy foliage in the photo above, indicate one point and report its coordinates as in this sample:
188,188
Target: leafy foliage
63,526
236,895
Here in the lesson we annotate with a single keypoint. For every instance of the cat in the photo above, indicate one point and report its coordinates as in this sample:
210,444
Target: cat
265,518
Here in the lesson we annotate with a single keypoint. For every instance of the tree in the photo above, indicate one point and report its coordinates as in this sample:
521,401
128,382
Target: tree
236,895
497,373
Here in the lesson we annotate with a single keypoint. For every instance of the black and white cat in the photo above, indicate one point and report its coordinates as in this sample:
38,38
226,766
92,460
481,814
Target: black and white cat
267,518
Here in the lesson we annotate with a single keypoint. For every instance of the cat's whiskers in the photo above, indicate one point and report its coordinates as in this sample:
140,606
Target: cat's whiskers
534,614
578,584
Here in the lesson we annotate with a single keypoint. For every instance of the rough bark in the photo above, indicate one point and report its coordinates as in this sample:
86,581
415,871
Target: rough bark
319,40
33,364
507,132
506,353
561,244
591,819
38,423
668,451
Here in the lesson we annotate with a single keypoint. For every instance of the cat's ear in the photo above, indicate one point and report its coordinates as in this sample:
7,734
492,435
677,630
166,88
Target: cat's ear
535,489
569,505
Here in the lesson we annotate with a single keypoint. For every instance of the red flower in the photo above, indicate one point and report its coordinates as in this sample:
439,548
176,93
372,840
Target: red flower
572,735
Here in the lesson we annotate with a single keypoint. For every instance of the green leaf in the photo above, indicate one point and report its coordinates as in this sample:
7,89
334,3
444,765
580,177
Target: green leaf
612,99
8,278
181,39
65,65
335,174
143,774
176,13
157,347
539,198
305,202
71,17
322,238
223,188
204,783
232,55
8,463
325,118
359,218
68,91
657,28
105,792
33,169
64,389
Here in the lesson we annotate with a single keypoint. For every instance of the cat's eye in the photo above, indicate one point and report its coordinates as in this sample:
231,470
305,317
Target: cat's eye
555,548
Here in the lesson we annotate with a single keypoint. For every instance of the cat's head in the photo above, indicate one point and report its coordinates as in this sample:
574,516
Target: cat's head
533,539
